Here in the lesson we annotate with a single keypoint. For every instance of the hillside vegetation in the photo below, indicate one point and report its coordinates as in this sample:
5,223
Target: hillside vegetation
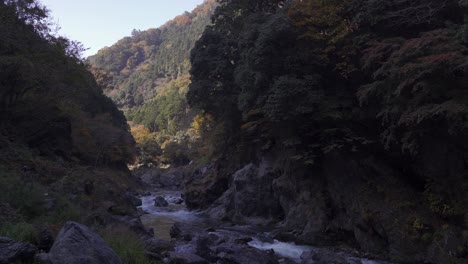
136,67
147,75
64,145
360,110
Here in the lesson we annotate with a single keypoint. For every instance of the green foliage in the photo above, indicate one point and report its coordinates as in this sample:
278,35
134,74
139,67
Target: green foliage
290,97
137,66
126,244
19,231
380,78
25,195
165,114
47,94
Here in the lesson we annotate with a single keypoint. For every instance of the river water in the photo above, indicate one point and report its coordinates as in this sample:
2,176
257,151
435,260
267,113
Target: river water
161,219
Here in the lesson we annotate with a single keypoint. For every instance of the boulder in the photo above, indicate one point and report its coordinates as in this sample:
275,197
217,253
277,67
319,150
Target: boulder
76,244
322,256
12,251
175,200
185,258
171,181
159,201
156,245
184,231
133,199
135,224
240,254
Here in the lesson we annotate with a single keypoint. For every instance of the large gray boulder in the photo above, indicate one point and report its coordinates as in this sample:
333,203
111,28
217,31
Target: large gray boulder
77,244
11,251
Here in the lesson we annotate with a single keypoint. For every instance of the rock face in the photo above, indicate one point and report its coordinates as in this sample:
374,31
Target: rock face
170,180
203,187
77,244
361,201
250,196
12,251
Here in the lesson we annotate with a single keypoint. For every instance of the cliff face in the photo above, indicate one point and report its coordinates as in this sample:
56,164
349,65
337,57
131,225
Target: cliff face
332,124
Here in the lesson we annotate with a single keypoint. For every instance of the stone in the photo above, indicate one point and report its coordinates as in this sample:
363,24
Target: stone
185,258
135,224
240,254
133,200
159,201
76,244
184,231
45,239
171,181
156,245
12,251
175,200
250,196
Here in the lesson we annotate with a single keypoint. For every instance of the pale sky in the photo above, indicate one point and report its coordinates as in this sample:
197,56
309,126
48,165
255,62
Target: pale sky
100,23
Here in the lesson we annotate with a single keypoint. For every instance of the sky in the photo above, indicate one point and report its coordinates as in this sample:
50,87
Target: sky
101,23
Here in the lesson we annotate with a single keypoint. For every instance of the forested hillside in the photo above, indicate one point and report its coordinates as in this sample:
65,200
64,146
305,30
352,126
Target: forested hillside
132,70
353,117
64,145
147,75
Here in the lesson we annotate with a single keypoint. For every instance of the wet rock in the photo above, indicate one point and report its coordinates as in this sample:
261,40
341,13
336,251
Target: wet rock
320,256
239,254
76,244
285,261
159,201
133,200
175,200
12,251
332,256
156,245
184,231
185,258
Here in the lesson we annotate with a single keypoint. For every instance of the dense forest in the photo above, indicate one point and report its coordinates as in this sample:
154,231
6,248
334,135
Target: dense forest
147,76
355,113
136,67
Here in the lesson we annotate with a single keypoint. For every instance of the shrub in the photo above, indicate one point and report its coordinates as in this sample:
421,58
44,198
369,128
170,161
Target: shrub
126,244
19,231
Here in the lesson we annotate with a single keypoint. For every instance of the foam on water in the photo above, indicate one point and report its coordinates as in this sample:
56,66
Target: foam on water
284,249
174,211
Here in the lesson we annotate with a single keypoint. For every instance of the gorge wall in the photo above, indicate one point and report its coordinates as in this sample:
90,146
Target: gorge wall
337,121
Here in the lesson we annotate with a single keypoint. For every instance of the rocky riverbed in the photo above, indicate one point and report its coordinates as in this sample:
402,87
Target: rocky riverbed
198,239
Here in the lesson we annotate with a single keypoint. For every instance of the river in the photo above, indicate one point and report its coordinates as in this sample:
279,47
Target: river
161,219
